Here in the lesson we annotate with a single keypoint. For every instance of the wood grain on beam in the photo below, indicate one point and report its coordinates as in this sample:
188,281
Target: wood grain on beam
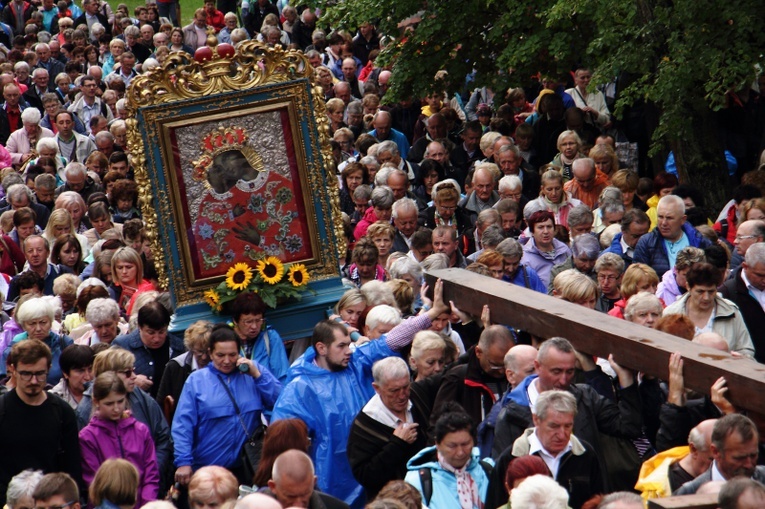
636,347
704,501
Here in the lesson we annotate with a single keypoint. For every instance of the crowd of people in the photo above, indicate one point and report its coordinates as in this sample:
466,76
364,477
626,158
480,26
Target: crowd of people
427,406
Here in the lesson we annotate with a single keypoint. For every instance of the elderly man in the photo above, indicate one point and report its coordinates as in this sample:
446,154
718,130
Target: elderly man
33,95
555,367
609,269
405,220
735,448
92,16
382,203
51,65
37,251
571,461
88,104
388,152
74,146
389,429
483,197
584,253
350,75
746,288
21,144
76,179
445,241
105,143
659,248
587,183
742,493
10,112
634,225
195,33
580,220
304,27
669,470
18,196
509,160
516,272
436,130
383,131
293,483
748,233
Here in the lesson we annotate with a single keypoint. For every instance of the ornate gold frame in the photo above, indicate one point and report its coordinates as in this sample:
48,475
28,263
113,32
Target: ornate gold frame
225,83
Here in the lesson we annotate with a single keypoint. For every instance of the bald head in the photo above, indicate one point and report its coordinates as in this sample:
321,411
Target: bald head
293,465
519,363
712,340
257,501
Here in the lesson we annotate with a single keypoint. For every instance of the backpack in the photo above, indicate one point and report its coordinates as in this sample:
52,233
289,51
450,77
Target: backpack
426,480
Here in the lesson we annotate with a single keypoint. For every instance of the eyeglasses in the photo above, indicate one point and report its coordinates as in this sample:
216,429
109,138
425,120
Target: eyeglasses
57,506
745,237
610,277
27,375
249,322
448,208
127,372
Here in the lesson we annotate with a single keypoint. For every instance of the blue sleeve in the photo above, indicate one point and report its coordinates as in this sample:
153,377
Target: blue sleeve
184,425
641,252
278,362
268,386
160,432
536,283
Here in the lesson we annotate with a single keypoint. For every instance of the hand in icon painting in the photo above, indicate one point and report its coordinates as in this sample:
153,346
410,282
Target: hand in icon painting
247,233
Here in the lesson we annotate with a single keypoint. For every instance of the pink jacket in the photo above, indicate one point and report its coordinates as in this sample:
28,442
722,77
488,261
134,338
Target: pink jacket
127,439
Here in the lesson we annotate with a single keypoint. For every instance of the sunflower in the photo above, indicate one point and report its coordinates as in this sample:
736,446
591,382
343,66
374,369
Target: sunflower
239,276
270,269
298,275
212,298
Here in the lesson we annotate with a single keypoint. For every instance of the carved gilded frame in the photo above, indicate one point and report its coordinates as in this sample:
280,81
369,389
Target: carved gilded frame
226,89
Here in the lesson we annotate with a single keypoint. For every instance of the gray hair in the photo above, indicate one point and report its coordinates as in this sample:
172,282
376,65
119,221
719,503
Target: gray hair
403,205
696,437
611,207
389,368
239,35
388,146
31,116
581,214
487,216
74,168
492,236
12,179
535,206
426,340
609,261
381,177
541,492
437,185
377,292
610,500
383,314
509,148
47,144
755,255
22,485
105,135
356,108
403,266
436,261
510,248
102,309
585,245
672,200
382,197
639,301
33,309
510,183
610,193
558,401
561,344
17,191
132,31
687,256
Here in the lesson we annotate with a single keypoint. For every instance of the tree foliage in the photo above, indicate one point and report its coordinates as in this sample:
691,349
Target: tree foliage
682,56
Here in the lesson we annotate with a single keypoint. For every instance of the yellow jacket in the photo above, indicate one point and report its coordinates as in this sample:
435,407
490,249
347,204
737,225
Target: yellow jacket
653,481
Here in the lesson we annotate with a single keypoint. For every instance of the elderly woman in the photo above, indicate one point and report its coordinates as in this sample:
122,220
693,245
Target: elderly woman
258,341
75,323
426,357
710,312
196,339
220,406
141,405
21,489
638,277
382,234
643,308
77,368
36,317
73,203
152,345
365,264
101,219
605,159
381,320
21,143
445,210
552,197
673,283
381,210
573,286
543,251
352,176
103,317
335,111
569,146
212,486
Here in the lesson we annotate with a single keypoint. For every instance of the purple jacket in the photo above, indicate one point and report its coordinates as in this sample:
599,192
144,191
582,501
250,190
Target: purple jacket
542,264
668,290
127,439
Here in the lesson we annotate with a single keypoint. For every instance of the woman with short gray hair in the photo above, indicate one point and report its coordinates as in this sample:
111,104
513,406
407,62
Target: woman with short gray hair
21,489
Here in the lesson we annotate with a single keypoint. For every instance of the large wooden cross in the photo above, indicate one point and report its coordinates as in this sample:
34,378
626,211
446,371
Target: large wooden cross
633,346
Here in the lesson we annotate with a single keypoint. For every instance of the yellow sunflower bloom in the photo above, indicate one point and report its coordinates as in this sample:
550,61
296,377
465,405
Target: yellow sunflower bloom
298,275
239,277
271,269
212,298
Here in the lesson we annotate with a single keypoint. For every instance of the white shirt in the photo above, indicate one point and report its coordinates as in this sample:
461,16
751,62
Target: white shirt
716,475
552,461
759,295
629,251
379,412
533,393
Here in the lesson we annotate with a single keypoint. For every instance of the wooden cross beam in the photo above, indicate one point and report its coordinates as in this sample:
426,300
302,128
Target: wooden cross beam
633,346
703,501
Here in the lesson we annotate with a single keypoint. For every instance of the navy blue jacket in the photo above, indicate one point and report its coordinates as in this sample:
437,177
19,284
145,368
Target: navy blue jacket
144,365
651,250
